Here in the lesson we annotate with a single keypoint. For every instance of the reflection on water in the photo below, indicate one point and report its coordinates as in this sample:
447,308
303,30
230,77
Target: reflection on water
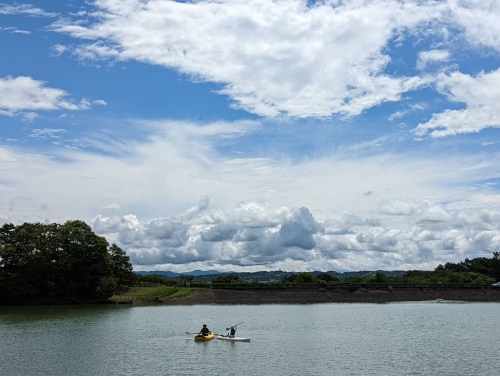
422,338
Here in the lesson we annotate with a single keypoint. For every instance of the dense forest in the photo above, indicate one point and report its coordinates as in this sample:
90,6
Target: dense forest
59,263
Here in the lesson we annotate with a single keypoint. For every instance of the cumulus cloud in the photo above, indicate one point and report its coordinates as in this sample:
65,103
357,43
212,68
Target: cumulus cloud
235,239
19,94
432,56
271,57
432,234
479,21
248,214
478,93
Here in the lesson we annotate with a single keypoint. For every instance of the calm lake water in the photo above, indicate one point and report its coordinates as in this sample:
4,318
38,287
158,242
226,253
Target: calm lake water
424,338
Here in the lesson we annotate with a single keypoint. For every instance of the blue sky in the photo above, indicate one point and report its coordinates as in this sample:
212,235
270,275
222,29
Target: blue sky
244,136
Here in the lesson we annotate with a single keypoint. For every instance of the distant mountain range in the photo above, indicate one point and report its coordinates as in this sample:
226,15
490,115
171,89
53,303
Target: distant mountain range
170,274
276,276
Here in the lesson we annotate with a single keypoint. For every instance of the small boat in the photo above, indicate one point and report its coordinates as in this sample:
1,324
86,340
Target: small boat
200,338
237,339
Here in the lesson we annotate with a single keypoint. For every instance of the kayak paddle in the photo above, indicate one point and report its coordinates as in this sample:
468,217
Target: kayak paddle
236,325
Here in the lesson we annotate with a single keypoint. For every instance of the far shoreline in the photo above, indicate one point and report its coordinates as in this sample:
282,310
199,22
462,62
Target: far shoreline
260,296
333,295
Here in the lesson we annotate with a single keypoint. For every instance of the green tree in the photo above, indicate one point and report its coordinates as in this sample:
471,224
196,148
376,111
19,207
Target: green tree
184,278
85,264
380,277
300,278
122,270
155,278
326,277
21,260
68,260
230,278
354,280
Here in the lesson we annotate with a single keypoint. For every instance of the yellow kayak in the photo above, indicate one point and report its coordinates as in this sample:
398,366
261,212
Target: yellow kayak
200,338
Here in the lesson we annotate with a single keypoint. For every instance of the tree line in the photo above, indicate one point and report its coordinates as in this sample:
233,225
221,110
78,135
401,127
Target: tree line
481,270
53,261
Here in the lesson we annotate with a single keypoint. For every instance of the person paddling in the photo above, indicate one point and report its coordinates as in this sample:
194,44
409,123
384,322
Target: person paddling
233,331
204,331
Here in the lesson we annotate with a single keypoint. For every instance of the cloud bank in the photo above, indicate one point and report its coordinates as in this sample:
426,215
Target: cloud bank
180,161
257,236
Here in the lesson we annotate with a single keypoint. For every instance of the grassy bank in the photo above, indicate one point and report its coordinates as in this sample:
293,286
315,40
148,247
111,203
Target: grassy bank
183,291
149,293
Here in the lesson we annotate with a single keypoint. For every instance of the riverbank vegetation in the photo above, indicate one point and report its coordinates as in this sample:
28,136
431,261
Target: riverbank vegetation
145,293
183,291
476,271
59,263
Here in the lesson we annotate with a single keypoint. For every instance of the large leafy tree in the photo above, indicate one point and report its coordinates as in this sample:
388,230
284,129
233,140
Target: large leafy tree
121,267
68,260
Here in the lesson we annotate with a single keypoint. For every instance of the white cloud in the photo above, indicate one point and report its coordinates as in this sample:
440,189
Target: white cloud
296,241
398,114
479,94
24,9
180,162
292,58
479,20
58,49
112,206
29,116
14,30
47,133
26,32
272,57
271,212
18,94
432,56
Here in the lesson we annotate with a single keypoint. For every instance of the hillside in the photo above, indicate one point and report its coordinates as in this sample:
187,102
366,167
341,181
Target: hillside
267,277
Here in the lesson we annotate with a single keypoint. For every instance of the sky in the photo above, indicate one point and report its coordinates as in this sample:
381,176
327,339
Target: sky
256,135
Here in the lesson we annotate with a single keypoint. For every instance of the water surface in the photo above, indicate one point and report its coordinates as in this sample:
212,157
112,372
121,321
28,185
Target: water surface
418,338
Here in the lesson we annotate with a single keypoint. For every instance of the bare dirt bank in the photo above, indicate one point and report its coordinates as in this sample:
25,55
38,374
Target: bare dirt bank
340,295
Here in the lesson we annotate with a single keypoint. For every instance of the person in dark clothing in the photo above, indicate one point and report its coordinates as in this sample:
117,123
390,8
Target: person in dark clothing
204,331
